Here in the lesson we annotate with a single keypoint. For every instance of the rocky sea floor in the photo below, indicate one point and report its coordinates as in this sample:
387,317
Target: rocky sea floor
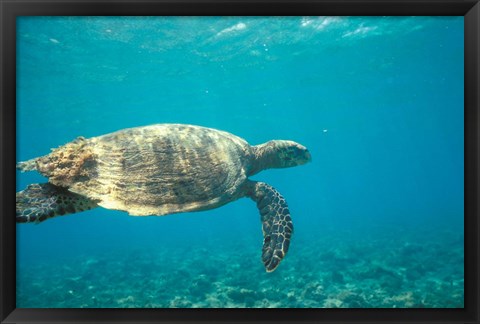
336,272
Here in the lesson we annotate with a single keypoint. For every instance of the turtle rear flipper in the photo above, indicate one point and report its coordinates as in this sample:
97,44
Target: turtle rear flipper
30,165
277,224
39,202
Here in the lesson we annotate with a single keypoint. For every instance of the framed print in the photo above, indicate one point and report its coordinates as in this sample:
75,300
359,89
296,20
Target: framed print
247,161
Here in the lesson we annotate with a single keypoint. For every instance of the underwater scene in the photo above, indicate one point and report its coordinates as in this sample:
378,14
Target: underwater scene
376,202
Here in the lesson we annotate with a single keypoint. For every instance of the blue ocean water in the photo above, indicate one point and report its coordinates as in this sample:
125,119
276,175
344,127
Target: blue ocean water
378,213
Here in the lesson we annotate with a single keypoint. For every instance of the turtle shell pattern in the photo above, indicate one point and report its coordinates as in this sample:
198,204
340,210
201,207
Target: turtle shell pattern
153,170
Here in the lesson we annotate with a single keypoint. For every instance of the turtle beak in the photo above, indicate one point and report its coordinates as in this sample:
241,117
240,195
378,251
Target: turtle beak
308,156
304,157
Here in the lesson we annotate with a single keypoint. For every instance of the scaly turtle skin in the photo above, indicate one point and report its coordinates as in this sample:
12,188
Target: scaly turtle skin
163,169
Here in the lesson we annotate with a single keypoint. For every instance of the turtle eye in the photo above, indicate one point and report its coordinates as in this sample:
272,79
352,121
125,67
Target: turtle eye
292,156
297,152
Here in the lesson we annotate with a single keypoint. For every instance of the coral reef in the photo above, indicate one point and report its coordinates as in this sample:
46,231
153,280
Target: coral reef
344,273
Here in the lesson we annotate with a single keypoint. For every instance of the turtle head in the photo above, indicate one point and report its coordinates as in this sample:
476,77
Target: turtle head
289,154
279,154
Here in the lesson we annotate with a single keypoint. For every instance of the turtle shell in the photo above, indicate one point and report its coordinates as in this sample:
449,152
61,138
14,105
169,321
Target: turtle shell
153,170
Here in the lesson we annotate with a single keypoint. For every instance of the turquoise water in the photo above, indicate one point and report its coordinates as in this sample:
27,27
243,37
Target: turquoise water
378,213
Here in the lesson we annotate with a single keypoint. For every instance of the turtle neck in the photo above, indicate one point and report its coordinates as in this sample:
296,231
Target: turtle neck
265,157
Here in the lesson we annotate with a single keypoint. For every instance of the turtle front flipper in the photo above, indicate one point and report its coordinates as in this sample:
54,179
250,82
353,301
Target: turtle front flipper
277,225
39,202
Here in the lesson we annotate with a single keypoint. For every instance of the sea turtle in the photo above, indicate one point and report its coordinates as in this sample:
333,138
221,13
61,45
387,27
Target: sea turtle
163,169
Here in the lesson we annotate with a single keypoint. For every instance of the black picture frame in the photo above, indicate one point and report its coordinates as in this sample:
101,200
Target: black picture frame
10,9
